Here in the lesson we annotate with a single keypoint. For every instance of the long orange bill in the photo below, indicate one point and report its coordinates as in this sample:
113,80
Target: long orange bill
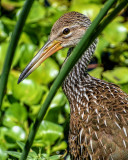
47,50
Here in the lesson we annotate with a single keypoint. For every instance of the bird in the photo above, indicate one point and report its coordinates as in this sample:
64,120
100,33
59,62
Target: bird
98,128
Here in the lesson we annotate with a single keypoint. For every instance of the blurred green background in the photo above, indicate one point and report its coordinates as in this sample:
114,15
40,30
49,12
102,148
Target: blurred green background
22,102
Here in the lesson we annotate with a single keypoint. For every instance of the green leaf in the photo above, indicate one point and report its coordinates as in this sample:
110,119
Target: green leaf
12,47
14,154
91,10
124,57
16,56
101,46
15,133
3,31
54,111
12,3
61,55
119,75
60,146
67,107
9,23
96,72
3,154
12,115
20,144
32,155
3,130
37,12
58,101
28,91
25,39
3,144
115,32
46,73
55,157
27,52
53,114
18,154
49,132
124,87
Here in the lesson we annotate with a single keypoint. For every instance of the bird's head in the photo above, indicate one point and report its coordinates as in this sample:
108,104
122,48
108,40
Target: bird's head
66,32
69,29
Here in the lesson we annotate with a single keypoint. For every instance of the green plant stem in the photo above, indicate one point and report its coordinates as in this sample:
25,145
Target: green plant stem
12,47
90,35
110,17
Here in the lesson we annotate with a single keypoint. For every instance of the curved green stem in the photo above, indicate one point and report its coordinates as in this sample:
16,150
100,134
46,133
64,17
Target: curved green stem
12,47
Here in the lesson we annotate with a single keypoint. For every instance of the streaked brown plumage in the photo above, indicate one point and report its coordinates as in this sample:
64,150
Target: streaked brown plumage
99,110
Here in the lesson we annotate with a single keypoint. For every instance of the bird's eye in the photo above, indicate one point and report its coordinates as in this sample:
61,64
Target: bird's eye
66,31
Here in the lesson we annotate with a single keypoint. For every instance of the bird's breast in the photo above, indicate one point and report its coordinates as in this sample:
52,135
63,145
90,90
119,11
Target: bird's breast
98,118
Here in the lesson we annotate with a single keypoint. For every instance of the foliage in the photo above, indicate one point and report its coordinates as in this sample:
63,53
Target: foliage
33,155
22,102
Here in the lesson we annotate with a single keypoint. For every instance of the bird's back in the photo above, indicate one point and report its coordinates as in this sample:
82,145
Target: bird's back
98,119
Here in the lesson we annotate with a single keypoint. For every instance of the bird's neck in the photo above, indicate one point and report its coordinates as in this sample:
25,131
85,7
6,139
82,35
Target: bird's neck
83,62
78,73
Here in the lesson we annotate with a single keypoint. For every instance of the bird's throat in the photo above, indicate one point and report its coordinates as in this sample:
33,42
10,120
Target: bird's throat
78,74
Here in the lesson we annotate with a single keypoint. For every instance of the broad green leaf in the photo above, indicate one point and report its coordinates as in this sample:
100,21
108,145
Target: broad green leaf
32,155
18,155
12,115
3,154
96,72
3,143
124,57
58,101
115,32
15,133
53,114
10,23
101,47
37,12
3,130
75,2
60,146
49,132
67,107
27,52
24,54
25,39
14,154
27,91
55,157
3,31
3,50
46,73
119,75
20,144
16,56
11,4
90,10
124,87
61,55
